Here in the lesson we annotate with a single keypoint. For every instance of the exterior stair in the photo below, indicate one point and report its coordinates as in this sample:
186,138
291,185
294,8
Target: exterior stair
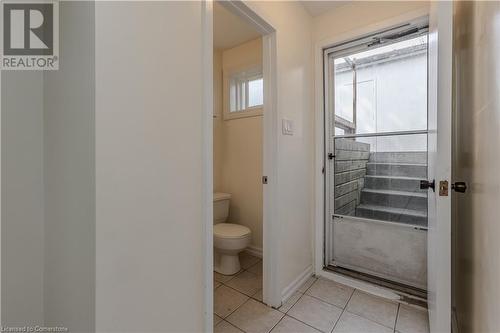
391,188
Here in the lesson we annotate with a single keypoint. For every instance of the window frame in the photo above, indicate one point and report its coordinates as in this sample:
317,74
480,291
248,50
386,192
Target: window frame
249,73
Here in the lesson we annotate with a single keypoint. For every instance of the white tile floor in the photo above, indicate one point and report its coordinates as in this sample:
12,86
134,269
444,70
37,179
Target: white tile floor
318,306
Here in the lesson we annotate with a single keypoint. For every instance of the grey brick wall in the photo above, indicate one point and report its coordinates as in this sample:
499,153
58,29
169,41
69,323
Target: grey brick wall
349,177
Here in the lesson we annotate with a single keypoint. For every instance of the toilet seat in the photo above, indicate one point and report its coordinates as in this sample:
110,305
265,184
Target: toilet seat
231,230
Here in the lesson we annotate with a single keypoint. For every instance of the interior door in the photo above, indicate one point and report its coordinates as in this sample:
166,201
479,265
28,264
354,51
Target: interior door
439,163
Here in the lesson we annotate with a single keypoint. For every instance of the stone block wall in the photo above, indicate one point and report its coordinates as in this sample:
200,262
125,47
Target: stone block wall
350,170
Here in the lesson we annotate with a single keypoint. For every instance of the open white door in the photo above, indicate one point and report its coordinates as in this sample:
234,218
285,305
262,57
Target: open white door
440,106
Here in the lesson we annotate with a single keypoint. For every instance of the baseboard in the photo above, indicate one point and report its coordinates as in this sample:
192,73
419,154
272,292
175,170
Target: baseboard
255,251
296,284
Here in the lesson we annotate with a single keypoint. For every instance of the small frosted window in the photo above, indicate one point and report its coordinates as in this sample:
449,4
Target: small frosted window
246,91
255,92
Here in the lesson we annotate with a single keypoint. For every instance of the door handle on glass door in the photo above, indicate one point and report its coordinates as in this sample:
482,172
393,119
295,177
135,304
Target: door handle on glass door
425,184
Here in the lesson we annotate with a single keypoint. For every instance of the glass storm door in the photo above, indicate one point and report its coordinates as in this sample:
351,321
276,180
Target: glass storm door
376,149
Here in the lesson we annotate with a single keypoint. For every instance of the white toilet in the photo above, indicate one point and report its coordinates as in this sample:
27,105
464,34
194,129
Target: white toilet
229,238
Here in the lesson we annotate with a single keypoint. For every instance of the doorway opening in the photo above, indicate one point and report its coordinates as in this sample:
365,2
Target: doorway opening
376,148
242,142
238,87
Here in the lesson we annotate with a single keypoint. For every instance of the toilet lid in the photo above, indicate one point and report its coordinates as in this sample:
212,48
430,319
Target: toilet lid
231,230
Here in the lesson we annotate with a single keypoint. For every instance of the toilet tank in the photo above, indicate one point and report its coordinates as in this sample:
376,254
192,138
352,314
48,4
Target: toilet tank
221,207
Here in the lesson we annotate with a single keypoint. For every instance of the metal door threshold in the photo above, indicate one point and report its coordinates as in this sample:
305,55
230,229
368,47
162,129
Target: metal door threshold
409,294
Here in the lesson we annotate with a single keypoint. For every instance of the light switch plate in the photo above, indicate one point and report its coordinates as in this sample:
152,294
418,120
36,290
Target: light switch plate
287,127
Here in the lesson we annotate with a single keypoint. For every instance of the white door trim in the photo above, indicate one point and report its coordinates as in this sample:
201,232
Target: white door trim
271,291
319,189
207,161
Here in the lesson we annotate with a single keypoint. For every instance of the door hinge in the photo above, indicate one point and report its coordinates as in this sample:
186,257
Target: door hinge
264,179
331,156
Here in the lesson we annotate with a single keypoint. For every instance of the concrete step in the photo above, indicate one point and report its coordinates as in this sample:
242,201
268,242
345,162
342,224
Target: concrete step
397,169
394,199
400,215
407,184
412,157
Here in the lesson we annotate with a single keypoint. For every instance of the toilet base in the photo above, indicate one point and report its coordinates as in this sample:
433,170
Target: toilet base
227,264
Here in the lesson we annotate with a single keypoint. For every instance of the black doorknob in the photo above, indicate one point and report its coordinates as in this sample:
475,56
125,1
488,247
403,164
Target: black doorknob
459,187
425,184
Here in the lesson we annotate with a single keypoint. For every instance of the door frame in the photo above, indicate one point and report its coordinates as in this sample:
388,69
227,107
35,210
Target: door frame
319,139
319,147
271,291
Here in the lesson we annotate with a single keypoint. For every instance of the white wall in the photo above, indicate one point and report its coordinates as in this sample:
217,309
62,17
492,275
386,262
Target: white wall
379,109
238,148
358,14
69,184
47,185
22,198
294,86
149,225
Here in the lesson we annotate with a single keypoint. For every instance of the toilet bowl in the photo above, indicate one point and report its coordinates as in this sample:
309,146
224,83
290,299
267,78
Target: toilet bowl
229,238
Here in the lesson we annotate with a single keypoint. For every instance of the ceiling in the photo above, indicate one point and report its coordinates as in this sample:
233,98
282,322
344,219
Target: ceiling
229,29
316,8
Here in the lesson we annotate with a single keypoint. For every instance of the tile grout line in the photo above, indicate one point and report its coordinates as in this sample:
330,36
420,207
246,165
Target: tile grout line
285,314
225,318
373,321
298,299
240,291
279,321
230,324
312,284
343,310
241,329
251,298
232,276
303,322
319,299
304,293
258,262
246,301
239,306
